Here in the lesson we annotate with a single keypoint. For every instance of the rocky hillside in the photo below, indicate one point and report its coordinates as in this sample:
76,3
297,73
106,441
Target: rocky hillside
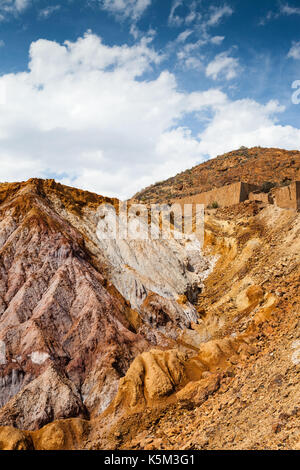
239,389
256,165
75,310
148,346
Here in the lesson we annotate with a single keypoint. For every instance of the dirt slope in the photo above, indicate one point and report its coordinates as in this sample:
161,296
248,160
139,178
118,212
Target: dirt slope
255,165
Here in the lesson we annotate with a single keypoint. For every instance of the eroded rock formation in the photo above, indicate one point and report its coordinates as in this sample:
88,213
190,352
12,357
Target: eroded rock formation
76,310
135,364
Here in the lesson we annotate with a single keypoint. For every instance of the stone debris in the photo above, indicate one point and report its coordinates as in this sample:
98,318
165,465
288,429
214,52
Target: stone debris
124,346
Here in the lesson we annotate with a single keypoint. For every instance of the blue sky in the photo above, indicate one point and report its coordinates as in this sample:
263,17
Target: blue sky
113,95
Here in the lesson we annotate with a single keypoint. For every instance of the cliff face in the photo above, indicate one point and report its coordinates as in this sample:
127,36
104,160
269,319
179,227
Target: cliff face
255,166
75,311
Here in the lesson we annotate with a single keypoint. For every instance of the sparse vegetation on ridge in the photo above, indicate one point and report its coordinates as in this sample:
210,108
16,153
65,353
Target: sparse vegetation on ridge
251,165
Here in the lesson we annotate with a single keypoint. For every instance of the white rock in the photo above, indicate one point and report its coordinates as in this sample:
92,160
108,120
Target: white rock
3,360
39,357
296,357
166,266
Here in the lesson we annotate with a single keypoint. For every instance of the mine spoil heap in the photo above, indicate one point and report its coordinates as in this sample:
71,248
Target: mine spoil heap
149,346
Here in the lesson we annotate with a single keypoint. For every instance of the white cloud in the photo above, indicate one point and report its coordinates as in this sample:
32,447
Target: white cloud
134,31
284,10
48,11
191,15
193,63
84,113
223,66
133,9
122,9
188,54
13,6
288,10
182,37
138,34
174,19
21,4
217,40
268,17
294,52
217,14
246,122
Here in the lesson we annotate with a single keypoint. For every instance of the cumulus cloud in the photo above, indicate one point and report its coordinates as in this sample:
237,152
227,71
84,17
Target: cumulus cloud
84,114
223,66
294,52
133,9
246,122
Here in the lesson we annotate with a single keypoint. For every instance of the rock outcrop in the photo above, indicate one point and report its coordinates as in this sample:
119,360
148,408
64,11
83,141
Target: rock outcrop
76,310
49,397
152,376
238,388
60,435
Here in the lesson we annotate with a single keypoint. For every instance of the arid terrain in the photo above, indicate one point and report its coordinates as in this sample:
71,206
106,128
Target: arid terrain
255,165
151,344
